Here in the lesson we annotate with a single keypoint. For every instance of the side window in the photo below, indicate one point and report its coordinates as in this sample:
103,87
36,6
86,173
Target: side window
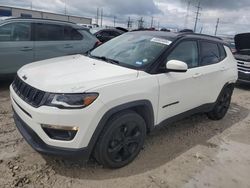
105,34
71,34
49,32
75,35
223,53
187,52
114,33
15,32
209,53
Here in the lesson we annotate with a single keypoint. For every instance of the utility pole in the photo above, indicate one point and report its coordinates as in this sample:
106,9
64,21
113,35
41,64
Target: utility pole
140,23
152,22
129,23
216,27
201,30
65,7
197,15
97,16
31,4
187,15
158,25
114,20
101,16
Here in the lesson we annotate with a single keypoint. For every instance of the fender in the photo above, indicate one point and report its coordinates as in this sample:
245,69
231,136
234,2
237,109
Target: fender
148,115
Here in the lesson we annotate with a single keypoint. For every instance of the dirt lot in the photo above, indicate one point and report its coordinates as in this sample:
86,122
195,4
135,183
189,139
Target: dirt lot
194,152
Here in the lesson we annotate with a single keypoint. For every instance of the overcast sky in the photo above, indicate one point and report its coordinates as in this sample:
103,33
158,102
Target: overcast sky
234,14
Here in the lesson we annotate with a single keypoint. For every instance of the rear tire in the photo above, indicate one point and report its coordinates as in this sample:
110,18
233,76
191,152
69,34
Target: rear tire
222,105
121,140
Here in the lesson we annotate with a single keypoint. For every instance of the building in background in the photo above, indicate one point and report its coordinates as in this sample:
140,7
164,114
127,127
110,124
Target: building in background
27,13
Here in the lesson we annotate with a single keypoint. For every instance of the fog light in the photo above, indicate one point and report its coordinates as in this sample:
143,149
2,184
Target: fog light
60,132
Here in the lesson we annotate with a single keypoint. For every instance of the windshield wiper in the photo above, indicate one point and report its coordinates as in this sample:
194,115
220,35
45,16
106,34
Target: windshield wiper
105,59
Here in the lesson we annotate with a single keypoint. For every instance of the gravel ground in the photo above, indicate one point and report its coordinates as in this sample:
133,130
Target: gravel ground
195,152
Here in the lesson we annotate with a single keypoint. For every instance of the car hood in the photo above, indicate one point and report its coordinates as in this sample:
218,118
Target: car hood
242,41
73,74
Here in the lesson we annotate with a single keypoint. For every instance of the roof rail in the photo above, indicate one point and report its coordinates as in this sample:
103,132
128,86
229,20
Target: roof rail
45,19
198,34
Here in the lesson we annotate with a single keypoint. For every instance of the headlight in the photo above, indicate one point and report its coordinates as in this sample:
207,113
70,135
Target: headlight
71,101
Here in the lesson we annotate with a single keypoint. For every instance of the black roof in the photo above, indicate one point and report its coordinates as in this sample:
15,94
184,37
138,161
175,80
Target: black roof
175,35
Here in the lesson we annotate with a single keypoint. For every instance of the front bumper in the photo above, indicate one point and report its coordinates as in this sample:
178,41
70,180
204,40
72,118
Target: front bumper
29,121
36,143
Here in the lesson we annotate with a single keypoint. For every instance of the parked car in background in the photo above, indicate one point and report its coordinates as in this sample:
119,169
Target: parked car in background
23,41
105,35
230,42
105,103
242,55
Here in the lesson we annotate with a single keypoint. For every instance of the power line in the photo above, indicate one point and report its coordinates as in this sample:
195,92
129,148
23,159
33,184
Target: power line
197,15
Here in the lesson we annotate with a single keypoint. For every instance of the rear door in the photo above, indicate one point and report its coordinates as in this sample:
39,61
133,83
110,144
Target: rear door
16,46
213,66
76,42
49,41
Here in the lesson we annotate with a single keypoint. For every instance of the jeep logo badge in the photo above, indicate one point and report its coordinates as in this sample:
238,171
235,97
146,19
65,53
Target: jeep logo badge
24,77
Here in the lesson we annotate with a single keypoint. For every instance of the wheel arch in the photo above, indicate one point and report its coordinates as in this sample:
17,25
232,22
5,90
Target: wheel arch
142,107
230,85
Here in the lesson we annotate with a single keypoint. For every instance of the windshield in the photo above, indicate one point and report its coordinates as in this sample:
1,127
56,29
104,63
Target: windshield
133,49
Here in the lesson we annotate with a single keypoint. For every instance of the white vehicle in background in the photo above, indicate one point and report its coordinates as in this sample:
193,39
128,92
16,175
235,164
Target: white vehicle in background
104,104
90,26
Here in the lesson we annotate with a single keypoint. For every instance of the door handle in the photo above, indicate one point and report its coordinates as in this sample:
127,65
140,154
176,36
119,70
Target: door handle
197,75
25,49
68,46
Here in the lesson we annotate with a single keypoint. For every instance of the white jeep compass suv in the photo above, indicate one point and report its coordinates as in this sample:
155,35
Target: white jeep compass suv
104,104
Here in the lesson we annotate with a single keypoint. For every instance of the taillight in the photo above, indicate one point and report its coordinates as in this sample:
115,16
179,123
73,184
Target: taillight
98,43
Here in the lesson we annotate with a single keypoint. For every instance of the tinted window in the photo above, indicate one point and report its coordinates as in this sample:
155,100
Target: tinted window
187,52
209,53
49,32
15,32
105,34
114,33
75,35
223,54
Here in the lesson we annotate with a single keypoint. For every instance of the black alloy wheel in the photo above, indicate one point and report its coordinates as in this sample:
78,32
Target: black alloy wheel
121,140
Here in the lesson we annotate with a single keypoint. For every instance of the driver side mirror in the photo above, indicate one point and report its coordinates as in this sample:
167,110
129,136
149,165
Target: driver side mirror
176,66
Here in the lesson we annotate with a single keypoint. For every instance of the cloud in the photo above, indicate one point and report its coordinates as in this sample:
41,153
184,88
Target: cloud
234,14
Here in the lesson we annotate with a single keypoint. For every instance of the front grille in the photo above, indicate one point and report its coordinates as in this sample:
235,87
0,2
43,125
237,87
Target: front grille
28,93
244,66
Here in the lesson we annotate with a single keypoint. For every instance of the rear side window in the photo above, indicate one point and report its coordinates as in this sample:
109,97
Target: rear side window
49,32
187,52
15,32
223,53
210,53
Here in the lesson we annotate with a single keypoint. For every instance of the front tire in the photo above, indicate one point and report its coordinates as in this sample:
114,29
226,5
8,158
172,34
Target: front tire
121,140
222,105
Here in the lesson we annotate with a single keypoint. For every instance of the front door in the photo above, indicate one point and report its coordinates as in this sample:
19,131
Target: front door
180,92
16,47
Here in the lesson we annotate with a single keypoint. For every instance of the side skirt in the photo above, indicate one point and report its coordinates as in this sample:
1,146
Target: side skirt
201,109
